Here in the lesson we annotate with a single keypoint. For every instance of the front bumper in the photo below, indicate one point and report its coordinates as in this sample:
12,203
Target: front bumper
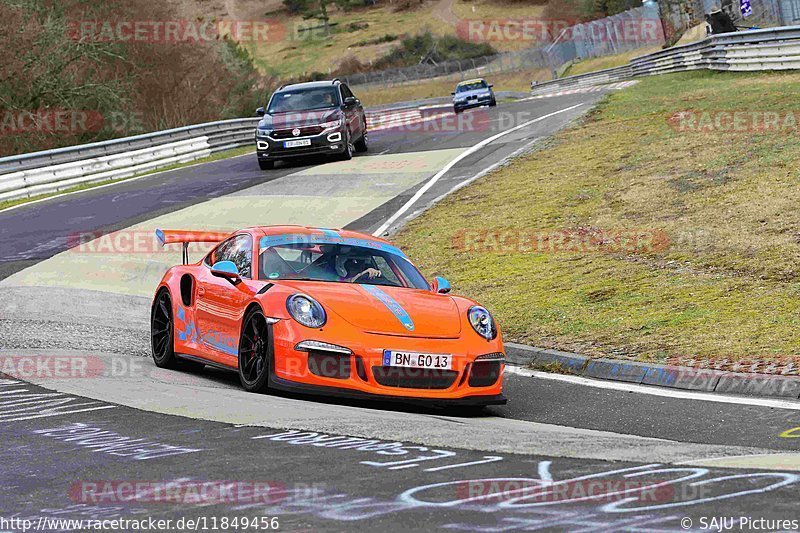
320,390
326,143
361,374
478,102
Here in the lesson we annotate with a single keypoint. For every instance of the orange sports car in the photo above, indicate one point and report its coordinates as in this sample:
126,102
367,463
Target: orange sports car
324,311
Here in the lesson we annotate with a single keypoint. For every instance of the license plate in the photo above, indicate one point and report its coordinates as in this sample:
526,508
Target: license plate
417,360
298,142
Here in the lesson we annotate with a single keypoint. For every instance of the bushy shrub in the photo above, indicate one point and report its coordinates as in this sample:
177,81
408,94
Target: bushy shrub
428,48
133,87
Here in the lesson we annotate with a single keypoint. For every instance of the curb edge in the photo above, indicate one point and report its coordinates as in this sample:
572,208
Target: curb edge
669,376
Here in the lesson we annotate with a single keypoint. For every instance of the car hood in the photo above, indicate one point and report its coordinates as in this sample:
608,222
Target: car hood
298,119
389,310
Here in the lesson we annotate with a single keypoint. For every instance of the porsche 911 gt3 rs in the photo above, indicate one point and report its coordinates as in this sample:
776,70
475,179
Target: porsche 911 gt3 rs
324,311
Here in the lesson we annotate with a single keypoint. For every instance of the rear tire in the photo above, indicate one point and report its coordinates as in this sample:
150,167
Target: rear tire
254,352
266,164
162,336
162,341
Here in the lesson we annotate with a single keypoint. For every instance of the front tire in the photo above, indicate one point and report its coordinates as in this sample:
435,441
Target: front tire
347,155
162,330
254,352
493,102
361,144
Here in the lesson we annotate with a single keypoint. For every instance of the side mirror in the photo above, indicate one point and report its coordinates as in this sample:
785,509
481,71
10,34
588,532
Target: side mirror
260,112
452,94
441,285
350,101
491,85
227,270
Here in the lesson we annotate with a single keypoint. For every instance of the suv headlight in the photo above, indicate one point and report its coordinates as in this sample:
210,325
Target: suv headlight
306,310
331,124
482,322
263,133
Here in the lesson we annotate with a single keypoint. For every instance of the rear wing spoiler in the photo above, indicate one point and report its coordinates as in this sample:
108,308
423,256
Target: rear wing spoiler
185,237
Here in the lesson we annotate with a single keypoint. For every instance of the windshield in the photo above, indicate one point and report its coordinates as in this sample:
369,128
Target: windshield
343,263
303,100
471,86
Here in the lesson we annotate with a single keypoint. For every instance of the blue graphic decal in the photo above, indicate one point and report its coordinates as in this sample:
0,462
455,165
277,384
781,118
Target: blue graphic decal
390,303
187,333
331,233
217,342
333,238
191,333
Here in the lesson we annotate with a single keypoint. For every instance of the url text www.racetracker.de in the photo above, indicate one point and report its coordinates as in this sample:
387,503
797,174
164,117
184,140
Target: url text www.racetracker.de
200,523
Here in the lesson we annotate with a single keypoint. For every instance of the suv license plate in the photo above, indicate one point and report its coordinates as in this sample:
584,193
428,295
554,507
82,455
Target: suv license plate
298,142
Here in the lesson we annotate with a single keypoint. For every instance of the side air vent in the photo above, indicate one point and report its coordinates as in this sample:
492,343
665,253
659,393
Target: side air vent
187,288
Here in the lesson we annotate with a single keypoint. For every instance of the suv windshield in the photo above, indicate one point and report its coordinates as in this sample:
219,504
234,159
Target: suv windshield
471,86
303,99
344,263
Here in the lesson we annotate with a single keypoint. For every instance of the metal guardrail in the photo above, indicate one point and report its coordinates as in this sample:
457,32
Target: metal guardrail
27,175
754,50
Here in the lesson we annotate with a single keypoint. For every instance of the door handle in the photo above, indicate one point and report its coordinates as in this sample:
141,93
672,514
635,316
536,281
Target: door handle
200,291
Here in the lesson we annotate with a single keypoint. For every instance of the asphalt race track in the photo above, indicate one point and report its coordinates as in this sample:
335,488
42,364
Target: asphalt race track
129,440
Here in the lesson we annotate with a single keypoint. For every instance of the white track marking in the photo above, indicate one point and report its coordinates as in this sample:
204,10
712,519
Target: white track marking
544,471
656,391
467,181
708,460
386,225
488,169
582,90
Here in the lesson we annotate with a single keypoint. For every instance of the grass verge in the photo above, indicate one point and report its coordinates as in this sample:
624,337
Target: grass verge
602,63
5,204
722,285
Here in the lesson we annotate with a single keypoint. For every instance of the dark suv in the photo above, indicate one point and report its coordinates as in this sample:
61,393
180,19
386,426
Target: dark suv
314,118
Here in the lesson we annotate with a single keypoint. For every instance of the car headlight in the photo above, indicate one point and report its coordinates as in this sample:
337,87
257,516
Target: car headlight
263,133
331,124
306,310
482,322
